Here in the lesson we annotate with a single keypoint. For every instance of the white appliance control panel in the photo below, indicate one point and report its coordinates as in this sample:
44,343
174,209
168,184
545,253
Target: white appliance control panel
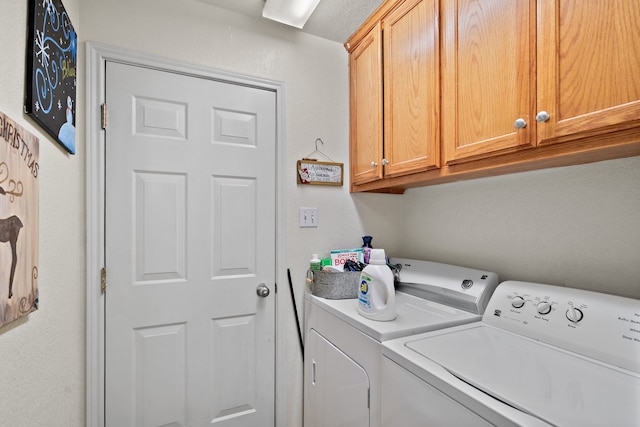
460,287
601,326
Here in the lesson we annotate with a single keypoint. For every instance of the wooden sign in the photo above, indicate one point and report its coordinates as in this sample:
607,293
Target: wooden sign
311,171
19,157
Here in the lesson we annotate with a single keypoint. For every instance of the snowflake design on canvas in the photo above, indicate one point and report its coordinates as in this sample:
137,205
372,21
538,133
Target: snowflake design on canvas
41,52
47,5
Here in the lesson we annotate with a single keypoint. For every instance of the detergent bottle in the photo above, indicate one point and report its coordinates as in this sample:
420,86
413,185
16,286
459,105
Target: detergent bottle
376,294
315,263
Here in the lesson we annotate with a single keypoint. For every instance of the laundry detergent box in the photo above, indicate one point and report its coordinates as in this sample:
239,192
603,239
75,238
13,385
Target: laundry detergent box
340,256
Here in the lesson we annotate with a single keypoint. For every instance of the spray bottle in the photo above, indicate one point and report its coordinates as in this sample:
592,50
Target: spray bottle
366,248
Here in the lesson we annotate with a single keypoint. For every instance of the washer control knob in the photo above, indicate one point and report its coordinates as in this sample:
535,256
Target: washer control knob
517,302
544,307
574,314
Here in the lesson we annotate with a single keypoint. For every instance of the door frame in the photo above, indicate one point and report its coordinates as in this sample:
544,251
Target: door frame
97,55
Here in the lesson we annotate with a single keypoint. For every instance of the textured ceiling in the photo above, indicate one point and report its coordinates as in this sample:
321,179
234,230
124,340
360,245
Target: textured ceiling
333,19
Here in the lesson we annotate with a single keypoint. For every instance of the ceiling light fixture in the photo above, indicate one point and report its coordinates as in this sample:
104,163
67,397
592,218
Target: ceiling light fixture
290,12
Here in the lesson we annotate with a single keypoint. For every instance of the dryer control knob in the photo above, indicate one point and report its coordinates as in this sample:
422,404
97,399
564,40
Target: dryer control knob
574,314
517,302
544,307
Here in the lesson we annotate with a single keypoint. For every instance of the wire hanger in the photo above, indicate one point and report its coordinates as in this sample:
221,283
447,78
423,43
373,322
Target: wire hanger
308,156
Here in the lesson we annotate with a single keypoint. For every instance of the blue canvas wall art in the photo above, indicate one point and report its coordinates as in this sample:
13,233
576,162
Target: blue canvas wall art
51,71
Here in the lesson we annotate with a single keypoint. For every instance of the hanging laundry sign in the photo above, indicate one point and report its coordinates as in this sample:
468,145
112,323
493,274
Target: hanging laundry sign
319,173
19,157
312,171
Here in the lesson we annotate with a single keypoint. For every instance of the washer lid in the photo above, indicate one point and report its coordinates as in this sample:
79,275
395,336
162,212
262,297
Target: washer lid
554,385
414,315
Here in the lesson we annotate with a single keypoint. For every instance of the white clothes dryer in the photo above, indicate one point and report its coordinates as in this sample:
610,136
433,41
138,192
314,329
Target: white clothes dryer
541,356
343,349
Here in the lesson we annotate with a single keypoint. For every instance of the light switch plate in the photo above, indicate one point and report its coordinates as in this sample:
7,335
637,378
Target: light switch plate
308,217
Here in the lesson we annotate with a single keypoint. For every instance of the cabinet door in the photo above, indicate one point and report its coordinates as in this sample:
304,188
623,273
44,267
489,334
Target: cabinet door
365,63
411,88
336,387
488,83
588,67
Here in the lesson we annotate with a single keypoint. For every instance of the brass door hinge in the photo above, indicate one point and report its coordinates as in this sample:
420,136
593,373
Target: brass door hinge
103,280
103,116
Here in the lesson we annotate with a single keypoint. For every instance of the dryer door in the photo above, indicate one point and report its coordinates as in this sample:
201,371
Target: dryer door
336,388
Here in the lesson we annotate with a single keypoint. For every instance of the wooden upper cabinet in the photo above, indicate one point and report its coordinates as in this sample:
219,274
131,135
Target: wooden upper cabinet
398,58
488,82
365,109
588,68
476,88
411,88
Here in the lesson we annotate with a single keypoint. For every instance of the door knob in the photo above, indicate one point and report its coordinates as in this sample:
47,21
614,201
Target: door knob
262,290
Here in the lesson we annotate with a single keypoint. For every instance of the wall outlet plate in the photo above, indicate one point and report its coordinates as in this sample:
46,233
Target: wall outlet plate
308,217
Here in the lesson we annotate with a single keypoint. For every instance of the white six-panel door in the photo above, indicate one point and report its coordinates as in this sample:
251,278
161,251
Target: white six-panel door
190,235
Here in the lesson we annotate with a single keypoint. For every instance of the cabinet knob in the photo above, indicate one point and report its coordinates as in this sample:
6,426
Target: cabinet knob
542,116
520,123
385,162
374,164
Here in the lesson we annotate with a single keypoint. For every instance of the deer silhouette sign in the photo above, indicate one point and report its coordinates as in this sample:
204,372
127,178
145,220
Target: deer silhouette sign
9,230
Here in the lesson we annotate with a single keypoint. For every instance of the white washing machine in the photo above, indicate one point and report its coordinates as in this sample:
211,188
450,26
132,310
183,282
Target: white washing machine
541,356
343,349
